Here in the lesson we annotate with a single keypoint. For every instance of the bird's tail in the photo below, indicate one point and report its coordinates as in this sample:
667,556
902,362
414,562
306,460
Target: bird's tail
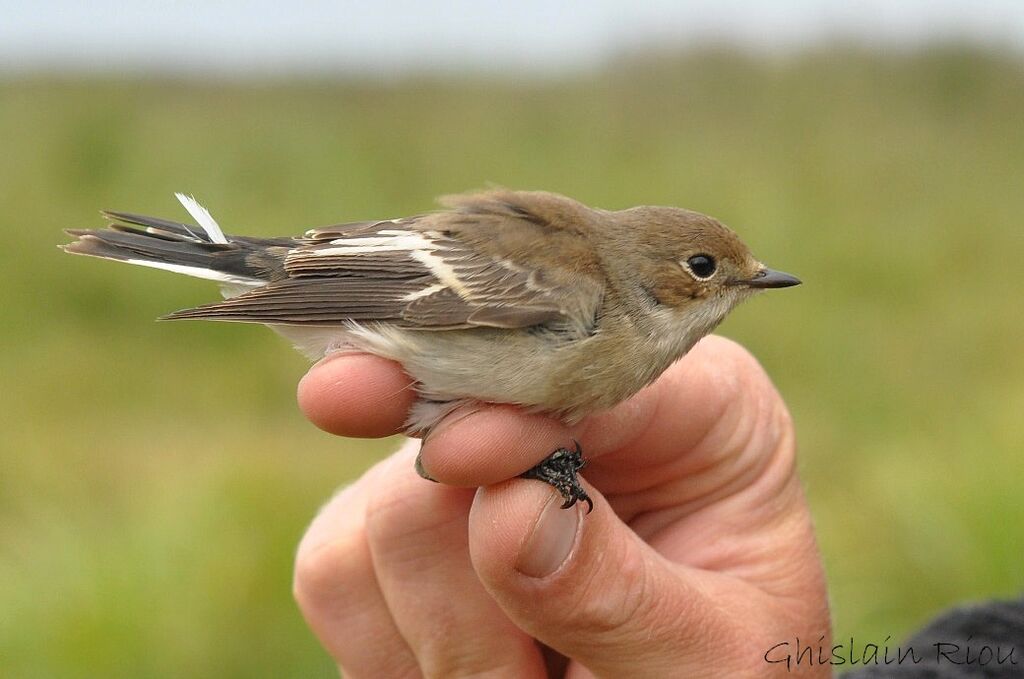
202,251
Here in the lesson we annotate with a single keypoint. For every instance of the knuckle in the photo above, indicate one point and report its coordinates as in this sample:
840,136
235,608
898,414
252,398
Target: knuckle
322,573
609,612
734,366
470,668
388,515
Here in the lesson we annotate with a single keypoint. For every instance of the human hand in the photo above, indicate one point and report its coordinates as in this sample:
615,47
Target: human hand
699,555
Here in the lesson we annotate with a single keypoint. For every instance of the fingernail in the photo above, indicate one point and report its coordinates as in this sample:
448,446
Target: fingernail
551,541
421,471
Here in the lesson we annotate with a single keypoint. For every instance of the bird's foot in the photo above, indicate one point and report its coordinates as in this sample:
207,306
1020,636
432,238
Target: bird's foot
559,470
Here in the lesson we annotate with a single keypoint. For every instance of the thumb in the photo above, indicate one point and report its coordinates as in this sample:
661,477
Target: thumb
590,588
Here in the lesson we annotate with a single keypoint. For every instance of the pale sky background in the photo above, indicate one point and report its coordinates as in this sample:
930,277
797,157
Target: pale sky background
277,36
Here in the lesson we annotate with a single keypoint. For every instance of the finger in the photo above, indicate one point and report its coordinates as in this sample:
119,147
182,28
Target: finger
338,593
591,589
490,444
356,395
417,534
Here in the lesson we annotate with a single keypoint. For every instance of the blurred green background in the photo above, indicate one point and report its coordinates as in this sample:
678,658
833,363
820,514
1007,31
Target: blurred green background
156,478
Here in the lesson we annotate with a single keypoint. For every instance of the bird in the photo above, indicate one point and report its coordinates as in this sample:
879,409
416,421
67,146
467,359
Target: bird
528,298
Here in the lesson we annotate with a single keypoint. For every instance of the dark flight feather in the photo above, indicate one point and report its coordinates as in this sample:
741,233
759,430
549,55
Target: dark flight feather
433,271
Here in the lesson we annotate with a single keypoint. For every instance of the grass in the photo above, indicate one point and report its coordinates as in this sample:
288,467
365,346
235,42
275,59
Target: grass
155,478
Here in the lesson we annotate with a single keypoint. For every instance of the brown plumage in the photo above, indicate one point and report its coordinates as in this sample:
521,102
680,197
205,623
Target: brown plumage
519,297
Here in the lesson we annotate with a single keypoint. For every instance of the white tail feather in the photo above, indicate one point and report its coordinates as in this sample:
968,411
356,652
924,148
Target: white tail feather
203,217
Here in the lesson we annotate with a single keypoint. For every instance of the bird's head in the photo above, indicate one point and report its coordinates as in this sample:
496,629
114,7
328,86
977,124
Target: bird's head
692,264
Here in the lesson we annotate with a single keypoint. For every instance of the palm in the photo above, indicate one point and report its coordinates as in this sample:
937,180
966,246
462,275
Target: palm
700,468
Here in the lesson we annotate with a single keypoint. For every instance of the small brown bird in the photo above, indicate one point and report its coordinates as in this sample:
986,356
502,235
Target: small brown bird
528,298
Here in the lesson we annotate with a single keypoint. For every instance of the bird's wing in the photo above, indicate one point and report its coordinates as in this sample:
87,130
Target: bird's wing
489,265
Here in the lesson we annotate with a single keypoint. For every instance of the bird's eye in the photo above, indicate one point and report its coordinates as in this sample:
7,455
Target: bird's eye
702,266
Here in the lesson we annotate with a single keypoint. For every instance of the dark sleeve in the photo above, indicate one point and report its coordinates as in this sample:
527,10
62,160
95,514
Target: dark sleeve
978,641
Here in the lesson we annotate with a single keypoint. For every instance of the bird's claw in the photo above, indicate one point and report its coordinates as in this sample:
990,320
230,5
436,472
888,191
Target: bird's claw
560,471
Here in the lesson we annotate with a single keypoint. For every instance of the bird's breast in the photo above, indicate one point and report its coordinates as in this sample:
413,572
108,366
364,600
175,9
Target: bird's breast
570,376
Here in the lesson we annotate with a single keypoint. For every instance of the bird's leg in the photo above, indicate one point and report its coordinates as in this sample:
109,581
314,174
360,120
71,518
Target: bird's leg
559,470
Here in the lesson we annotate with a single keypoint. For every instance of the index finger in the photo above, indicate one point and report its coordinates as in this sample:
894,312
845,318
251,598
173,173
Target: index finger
357,395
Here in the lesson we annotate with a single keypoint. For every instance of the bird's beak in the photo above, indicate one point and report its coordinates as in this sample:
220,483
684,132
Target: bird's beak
768,278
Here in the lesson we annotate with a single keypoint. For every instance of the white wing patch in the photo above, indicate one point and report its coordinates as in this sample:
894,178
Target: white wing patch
391,240
421,246
202,217
442,271
425,292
